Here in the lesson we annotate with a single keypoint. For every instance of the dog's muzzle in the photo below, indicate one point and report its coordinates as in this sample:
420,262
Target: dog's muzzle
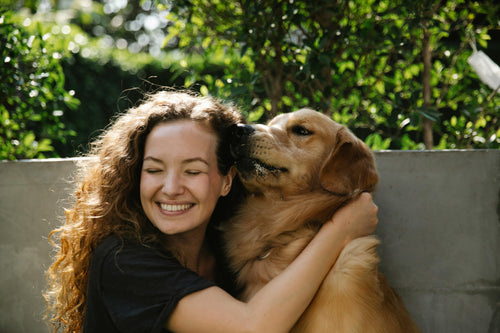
241,149
240,133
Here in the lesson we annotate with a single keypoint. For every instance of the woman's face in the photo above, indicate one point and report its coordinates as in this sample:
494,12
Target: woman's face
180,181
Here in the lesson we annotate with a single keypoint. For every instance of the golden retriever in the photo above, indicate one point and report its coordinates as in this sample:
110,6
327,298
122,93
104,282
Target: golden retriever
298,170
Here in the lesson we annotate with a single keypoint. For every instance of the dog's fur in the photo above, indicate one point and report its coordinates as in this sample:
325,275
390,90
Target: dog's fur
298,170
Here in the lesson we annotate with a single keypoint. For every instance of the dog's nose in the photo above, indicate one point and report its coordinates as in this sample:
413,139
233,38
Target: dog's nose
239,135
241,131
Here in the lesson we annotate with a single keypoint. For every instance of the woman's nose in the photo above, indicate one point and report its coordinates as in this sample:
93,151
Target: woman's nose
172,185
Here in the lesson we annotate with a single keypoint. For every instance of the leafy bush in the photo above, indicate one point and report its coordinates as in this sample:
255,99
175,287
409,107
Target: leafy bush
104,90
32,95
104,79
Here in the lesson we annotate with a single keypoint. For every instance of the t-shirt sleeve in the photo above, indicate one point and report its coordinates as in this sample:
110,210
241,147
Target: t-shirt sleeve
140,287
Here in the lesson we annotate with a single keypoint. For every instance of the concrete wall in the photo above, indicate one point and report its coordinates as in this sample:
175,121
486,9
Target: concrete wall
439,223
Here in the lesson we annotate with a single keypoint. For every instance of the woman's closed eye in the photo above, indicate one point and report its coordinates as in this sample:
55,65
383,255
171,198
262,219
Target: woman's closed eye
152,170
195,167
193,172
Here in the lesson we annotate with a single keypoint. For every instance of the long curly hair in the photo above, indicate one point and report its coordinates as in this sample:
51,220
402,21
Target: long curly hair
106,199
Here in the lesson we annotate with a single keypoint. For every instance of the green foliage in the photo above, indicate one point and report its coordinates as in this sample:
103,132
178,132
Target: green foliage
106,79
32,95
107,89
358,61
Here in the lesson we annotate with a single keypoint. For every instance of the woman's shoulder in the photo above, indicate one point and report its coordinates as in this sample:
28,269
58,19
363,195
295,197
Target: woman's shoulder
107,244
121,263
112,244
119,250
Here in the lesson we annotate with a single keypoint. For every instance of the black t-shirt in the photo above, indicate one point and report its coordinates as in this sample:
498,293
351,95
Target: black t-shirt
134,288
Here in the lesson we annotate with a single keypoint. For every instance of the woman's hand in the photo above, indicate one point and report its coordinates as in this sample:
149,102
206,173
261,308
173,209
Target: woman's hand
358,218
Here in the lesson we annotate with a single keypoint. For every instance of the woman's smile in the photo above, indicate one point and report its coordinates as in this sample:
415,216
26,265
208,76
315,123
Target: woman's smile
175,208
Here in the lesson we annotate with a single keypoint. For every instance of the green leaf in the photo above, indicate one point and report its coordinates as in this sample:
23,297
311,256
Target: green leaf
375,142
29,139
429,113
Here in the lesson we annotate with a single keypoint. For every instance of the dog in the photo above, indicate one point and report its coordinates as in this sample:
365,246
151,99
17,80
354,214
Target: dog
297,171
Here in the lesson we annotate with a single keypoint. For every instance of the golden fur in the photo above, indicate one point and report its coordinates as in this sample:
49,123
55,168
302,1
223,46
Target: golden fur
298,170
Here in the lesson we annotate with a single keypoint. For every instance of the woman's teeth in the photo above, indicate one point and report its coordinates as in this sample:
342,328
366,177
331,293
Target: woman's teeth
175,208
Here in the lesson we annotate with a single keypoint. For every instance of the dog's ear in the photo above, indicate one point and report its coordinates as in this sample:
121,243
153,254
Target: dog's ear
350,166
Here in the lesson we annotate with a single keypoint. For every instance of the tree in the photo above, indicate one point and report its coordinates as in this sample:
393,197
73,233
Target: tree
363,62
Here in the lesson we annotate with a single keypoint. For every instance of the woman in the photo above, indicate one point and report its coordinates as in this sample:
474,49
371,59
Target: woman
139,251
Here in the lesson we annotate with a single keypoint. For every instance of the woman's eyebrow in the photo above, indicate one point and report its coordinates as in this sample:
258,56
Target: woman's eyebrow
186,161
151,158
195,159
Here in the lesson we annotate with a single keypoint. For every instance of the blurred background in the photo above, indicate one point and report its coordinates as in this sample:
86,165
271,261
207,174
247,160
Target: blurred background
394,72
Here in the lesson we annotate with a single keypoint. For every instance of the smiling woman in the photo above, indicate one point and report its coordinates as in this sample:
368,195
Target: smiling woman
158,171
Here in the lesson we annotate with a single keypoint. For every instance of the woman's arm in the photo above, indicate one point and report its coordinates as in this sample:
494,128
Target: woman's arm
280,303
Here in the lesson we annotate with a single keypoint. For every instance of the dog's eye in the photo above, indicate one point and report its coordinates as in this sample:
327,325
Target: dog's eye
301,130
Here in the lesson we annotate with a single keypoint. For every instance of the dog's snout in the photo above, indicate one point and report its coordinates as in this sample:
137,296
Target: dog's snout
241,131
239,138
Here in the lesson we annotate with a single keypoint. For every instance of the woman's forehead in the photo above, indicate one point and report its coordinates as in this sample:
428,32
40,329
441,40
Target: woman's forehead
182,137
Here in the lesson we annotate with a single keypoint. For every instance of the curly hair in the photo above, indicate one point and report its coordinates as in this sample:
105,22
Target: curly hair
106,198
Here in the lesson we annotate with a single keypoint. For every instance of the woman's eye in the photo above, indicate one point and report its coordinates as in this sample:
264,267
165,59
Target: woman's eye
152,171
193,172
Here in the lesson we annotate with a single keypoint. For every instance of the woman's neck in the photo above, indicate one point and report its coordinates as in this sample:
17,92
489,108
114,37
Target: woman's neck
195,252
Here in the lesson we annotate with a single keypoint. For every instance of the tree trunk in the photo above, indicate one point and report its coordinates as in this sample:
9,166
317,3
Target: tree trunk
426,122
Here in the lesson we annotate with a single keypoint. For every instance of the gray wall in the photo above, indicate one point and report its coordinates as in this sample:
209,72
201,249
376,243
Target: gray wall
439,223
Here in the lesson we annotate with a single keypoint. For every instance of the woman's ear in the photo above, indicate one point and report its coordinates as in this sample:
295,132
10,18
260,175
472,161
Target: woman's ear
228,181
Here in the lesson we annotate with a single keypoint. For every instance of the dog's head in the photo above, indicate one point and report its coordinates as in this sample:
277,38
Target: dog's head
300,152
